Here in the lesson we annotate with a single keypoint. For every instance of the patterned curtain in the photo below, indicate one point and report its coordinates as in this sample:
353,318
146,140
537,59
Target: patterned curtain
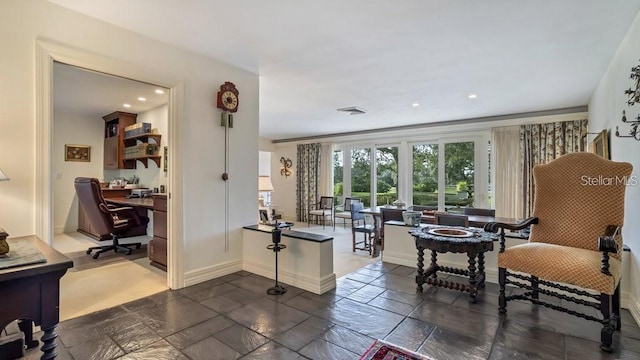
307,179
541,143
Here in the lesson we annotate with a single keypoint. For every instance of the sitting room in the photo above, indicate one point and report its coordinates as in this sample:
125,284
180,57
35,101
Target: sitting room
434,180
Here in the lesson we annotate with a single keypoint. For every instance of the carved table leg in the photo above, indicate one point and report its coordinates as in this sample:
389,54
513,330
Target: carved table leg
420,276
473,289
49,343
434,265
481,269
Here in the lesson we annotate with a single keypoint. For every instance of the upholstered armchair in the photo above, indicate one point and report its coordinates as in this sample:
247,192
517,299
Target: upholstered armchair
575,243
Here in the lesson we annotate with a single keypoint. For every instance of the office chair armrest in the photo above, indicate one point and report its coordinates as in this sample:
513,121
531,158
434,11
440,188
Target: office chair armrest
495,226
122,212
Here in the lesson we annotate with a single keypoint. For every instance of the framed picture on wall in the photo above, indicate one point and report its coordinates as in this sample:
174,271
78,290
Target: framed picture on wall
600,145
77,153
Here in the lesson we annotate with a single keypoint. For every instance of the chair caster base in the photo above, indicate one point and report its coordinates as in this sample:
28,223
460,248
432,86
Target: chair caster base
276,290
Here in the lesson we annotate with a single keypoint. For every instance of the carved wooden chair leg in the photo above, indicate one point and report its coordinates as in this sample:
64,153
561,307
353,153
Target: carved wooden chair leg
616,307
609,323
534,287
502,280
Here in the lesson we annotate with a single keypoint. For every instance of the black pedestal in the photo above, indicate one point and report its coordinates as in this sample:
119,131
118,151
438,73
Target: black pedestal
276,236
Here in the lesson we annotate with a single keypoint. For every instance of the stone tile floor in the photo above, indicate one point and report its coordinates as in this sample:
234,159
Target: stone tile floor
232,317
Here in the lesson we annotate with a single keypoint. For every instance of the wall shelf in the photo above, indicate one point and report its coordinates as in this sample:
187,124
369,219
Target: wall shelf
130,163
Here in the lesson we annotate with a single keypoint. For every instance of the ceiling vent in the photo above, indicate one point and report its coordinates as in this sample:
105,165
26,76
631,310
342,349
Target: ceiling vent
353,110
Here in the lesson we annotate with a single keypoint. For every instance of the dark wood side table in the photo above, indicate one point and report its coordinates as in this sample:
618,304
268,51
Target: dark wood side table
33,292
474,246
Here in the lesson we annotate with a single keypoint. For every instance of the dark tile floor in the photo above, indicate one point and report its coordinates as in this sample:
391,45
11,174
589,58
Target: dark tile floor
232,317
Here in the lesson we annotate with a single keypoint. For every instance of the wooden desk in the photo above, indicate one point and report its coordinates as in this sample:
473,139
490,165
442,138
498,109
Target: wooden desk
146,203
33,292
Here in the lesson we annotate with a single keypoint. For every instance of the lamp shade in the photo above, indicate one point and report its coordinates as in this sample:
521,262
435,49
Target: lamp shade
3,177
264,183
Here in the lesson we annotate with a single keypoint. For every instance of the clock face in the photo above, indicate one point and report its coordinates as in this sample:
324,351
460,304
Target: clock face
229,100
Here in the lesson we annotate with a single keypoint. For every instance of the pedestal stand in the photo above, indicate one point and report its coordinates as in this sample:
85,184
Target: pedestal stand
276,235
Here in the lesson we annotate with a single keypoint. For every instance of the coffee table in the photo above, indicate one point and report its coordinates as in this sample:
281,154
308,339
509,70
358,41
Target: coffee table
449,239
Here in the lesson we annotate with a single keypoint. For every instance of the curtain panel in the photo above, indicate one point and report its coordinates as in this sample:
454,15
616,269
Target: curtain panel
507,192
541,143
307,179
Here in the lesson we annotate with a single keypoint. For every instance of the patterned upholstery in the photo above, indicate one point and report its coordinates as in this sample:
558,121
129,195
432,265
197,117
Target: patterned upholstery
577,196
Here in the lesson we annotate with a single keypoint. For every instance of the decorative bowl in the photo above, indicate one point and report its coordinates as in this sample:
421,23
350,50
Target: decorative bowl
411,218
449,232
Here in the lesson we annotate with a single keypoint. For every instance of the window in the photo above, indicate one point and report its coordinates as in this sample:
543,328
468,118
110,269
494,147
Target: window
338,177
361,175
425,175
386,175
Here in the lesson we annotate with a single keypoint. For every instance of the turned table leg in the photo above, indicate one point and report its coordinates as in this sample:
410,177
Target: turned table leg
473,288
481,269
49,343
420,276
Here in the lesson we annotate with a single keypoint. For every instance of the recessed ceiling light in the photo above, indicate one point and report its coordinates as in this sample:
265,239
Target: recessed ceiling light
415,104
126,105
159,91
142,98
472,96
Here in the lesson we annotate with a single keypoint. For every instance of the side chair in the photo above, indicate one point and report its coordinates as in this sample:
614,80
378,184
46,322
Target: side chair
322,209
107,219
345,211
575,245
359,225
451,219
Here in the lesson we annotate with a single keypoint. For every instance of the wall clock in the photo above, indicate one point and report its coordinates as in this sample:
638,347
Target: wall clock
228,97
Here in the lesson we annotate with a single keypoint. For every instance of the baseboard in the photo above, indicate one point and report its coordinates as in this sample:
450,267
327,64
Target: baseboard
211,272
314,285
634,309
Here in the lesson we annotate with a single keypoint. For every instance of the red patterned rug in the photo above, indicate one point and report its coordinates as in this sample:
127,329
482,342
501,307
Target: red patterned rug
381,350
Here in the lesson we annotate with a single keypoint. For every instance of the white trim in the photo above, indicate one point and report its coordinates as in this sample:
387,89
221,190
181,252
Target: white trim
198,276
633,306
315,285
46,53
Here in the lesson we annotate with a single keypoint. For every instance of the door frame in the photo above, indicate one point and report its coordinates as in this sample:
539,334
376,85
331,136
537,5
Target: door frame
48,52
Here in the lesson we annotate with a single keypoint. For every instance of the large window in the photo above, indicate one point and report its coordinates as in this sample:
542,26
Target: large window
361,175
386,175
338,177
425,174
459,174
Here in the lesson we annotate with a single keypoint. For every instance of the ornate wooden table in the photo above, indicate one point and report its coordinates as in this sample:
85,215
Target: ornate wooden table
33,292
444,239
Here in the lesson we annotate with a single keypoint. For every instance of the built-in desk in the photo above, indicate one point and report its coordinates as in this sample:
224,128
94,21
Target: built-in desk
158,203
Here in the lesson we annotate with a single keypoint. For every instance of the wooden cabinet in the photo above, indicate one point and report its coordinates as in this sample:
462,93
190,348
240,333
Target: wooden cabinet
84,225
114,125
158,245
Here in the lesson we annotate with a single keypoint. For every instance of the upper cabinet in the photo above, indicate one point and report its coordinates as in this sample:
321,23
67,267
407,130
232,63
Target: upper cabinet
114,125
125,148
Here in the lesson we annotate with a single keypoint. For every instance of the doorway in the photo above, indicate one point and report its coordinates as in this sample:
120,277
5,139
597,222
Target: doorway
48,53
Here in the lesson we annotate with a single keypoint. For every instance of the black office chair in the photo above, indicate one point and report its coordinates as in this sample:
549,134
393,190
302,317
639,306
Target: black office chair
107,219
451,220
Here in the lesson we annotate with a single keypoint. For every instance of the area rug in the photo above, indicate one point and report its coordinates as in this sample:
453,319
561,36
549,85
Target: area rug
82,261
381,350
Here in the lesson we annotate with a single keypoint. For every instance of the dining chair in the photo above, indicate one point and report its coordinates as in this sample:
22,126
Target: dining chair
359,225
322,209
345,211
388,214
451,219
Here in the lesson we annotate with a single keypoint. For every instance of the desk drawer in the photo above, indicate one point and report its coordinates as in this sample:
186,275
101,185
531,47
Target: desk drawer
160,202
160,223
158,251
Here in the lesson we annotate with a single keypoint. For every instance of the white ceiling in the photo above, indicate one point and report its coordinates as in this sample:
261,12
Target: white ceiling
95,95
314,57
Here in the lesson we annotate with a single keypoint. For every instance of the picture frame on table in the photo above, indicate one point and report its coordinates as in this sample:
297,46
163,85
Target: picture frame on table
74,152
600,144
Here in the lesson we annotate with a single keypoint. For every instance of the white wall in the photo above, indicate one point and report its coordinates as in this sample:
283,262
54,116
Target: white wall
605,112
72,128
283,197
198,187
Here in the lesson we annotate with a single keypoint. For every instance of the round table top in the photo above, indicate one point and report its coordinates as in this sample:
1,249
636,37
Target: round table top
478,235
